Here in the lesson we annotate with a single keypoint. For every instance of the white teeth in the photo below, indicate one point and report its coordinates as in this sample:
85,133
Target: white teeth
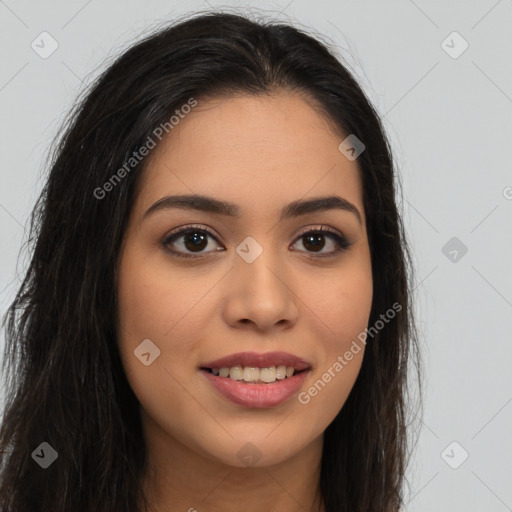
281,372
251,374
235,372
254,374
268,374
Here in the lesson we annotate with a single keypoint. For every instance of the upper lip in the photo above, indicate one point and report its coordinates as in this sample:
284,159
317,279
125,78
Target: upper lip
254,359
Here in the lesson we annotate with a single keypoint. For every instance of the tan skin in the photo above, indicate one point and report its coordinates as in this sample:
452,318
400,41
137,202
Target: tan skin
260,153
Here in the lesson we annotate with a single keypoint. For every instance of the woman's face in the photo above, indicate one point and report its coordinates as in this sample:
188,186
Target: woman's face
253,282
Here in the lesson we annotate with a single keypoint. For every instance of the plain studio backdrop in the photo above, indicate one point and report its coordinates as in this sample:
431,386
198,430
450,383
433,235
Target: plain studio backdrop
440,75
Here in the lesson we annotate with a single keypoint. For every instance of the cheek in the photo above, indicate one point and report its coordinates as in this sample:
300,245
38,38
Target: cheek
341,312
147,310
340,304
150,308
153,303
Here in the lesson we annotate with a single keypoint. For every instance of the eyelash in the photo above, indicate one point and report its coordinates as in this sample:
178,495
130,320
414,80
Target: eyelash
342,244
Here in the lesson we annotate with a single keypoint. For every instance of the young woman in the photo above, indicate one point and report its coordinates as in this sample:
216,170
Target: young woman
217,312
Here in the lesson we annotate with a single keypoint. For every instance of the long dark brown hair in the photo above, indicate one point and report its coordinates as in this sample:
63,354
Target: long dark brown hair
64,380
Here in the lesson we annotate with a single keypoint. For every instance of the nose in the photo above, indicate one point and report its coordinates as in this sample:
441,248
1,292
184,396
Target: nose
259,295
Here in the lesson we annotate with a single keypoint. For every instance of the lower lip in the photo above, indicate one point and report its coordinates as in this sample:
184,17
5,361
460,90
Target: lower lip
257,395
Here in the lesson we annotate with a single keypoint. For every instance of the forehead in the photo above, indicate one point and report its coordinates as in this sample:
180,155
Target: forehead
257,151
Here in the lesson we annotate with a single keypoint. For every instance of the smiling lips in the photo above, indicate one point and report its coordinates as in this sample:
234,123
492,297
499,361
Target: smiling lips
257,380
256,360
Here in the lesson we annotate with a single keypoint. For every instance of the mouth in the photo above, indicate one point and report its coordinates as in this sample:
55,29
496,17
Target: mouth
255,368
255,387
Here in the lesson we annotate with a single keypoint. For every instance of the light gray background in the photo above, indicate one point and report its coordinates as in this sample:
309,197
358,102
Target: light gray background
449,120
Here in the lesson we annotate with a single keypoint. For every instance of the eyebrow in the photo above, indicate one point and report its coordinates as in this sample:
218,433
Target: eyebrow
216,206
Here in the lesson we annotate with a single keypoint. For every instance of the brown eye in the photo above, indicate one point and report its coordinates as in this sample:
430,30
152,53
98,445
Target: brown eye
314,241
188,240
195,240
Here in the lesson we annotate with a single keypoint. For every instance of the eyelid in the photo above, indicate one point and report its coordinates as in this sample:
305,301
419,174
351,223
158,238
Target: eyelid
320,228
191,227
